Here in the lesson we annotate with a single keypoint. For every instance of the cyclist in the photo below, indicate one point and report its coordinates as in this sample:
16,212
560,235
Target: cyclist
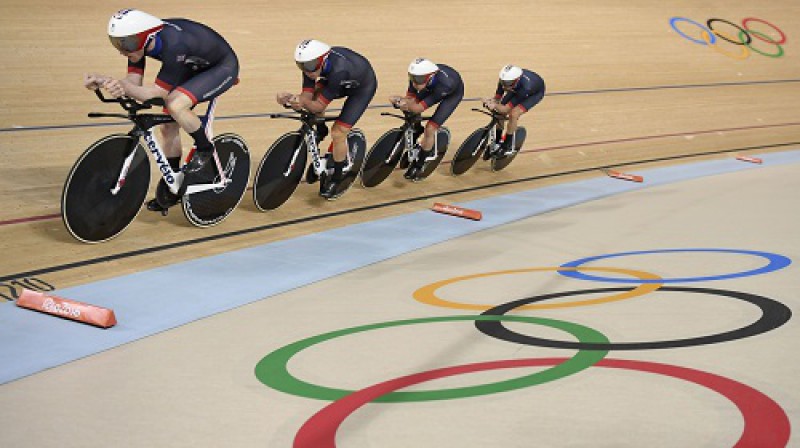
518,91
329,73
429,84
197,65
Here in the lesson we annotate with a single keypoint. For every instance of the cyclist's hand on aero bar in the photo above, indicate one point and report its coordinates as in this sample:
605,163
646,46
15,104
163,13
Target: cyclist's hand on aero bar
283,98
114,88
94,81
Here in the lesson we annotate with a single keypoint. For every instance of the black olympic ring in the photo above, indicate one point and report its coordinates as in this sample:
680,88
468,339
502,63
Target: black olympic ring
742,31
773,315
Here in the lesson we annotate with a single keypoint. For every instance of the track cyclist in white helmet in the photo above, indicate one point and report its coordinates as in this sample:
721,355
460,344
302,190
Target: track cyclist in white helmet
518,91
197,64
329,73
429,84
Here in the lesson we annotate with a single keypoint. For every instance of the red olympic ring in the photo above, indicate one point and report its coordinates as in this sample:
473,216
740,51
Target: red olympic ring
754,19
765,422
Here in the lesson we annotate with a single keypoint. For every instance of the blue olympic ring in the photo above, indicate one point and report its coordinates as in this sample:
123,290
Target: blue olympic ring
776,262
672,21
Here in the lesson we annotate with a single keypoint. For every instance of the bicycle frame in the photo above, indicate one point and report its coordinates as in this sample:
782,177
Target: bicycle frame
410,120
497,122
143,128
307,119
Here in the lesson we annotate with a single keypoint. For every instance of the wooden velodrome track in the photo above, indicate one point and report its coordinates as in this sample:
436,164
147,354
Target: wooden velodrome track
624,90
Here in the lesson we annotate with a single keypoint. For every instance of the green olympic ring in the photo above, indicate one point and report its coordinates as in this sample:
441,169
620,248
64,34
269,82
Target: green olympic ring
273,371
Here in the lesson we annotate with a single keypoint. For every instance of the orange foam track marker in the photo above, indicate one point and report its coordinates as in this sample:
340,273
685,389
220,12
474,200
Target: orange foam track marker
457,211
68,309
749,159
624,176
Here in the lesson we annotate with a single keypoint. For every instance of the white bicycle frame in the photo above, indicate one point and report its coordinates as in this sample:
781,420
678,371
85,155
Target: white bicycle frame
174,179
319,163
313,149
491,138
408,145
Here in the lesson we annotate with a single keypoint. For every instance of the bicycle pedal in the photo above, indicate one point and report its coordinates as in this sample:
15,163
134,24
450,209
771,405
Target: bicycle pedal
154,206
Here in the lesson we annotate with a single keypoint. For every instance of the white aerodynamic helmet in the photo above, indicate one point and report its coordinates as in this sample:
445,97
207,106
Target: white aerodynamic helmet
421,70
310,54
129,29
510,74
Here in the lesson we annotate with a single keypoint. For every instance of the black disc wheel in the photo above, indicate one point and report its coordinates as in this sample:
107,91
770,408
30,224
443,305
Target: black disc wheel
519,140
380,162
469,152
280,171
210,207
91,210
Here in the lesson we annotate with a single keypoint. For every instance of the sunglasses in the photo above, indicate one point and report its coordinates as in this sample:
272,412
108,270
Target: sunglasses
509,83
128,44
310,66
420,79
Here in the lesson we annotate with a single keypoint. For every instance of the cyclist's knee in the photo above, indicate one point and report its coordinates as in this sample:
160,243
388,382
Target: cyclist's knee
178,102
430,130
339,133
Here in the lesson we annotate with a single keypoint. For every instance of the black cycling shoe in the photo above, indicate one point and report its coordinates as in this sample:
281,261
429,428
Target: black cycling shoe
412,171
329,190
200,160
164,199
200,170
503,152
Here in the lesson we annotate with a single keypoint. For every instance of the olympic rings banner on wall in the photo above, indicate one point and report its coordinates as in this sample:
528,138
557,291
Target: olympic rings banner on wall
742,36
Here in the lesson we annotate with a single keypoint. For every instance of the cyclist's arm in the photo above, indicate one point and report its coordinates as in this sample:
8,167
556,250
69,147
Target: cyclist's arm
134,78
315,106
121,87
502,108
412,105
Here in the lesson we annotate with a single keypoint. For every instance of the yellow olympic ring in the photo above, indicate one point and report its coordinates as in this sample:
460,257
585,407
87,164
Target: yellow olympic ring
744,53
427,294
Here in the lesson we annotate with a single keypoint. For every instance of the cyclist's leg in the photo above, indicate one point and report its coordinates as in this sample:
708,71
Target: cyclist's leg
353,109
200,88
171,143
443,112
513,120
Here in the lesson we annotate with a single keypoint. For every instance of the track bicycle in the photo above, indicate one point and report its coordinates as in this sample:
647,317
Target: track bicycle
397,145
484,140
107,185
282,167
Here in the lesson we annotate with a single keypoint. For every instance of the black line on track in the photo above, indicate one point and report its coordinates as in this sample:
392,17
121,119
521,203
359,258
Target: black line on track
150,250
381,106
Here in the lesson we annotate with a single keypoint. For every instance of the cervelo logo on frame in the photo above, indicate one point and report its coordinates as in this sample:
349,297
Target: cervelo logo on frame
744,37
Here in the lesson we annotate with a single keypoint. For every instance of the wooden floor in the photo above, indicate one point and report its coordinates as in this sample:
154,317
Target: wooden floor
624,90
623,87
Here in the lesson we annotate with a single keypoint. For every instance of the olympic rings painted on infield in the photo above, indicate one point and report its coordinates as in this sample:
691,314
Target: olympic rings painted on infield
708,36
649,283
776,262
273,371
773,315
765,422
743,54
765,38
